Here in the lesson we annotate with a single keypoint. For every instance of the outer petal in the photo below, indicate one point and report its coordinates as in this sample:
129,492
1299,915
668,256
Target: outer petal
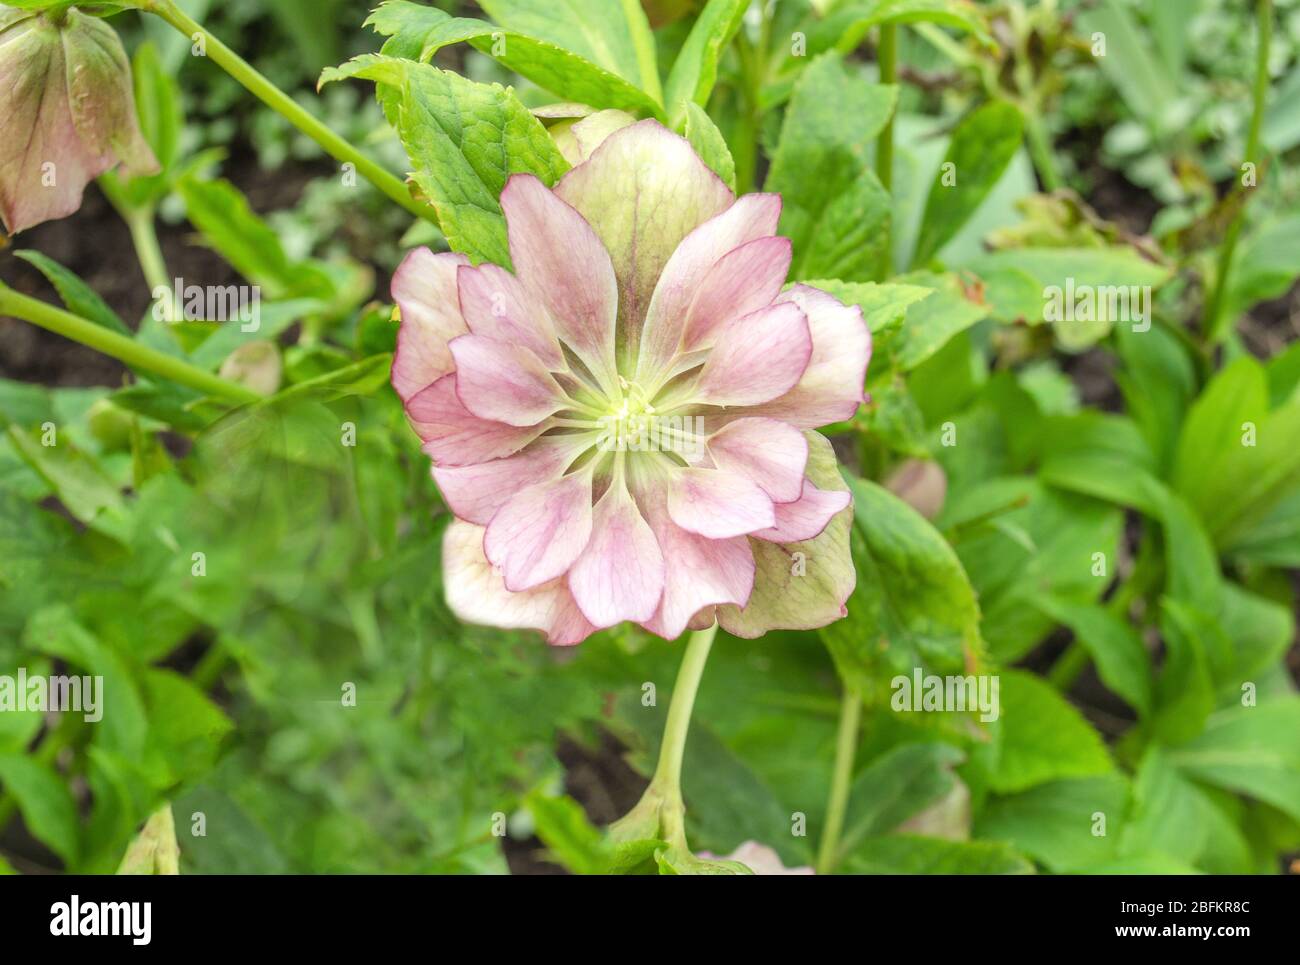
769,452
752,217
577,139
742,281
564,268
477,594
503,382
717,504
454,436
698,572
831,387
620,575
757,358
643,190
806,517
476,492
424,287
803,585
495,304
69,111
540,531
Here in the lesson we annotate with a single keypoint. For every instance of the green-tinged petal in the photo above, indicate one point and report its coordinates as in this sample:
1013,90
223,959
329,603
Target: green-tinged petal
643,190
800,586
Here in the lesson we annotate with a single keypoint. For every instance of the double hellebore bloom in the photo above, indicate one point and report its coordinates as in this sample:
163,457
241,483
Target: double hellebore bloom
67,112
622,426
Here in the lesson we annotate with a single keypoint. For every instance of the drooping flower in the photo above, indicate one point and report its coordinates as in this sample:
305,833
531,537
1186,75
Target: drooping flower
67,113
622,426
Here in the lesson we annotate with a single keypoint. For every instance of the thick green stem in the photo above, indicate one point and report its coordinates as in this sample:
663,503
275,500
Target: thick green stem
1040,148
661,812
281,103
1213,322
846,747
643,43
668,773
887,58
119,346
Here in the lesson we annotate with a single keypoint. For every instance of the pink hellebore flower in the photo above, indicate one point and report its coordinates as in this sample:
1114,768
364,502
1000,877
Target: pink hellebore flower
622,427
67,113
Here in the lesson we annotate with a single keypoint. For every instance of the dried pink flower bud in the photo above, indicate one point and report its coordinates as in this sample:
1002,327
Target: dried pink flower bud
67,110
623,425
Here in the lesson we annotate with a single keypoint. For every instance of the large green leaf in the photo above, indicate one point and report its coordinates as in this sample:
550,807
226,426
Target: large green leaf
1117,649
905,854
464,140
695,70
1235,458
421,31
982,146
913,605
1058,823
1040,738
1251,749
834,209
613,34
45,802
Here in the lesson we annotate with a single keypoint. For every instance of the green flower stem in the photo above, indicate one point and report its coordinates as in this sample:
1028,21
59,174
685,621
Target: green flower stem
643,42
1040,147
281,103
148,252
846,747
887,58
668,774
120,347
661,812
1212,324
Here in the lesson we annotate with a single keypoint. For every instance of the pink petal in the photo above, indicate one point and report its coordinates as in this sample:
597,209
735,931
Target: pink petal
454,436
475,493
743,281
698,572
757,358
768,452
424,287
540,531
477,594
752,217
717,504
642,191
565,269
804,518
503,382
620,575
495,304
831,387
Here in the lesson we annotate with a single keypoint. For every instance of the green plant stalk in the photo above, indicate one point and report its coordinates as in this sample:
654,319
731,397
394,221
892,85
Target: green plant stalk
120,347
846,747
672,749
149,253
645,53
1212,324
274,98
1040,147
887,58
661,812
